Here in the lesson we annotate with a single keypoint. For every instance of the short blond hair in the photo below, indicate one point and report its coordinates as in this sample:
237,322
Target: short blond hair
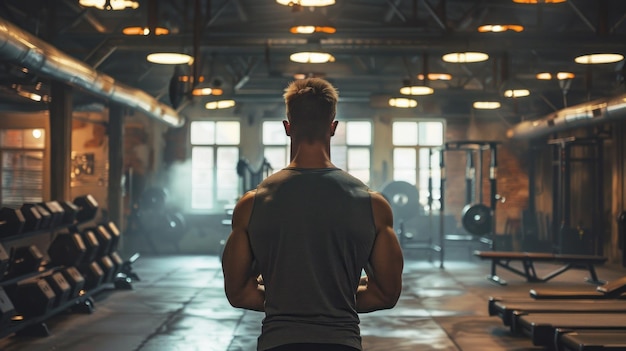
311,106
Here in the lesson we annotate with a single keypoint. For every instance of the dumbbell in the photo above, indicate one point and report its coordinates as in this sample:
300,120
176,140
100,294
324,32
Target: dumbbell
7,310
60,286
32,297
115,234
105,240
75,280
70,212
56,211
67,249
33,218
46,217
108,268
4,262
94,275
11,221
91,244
24,260
87,207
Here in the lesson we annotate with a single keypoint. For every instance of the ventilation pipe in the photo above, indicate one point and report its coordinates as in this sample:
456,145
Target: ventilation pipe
582,115
20,47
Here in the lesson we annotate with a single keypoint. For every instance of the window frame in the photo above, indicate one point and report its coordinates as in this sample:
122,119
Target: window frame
434,172
216,148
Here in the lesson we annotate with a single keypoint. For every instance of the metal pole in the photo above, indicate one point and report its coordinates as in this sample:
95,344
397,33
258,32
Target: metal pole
441,206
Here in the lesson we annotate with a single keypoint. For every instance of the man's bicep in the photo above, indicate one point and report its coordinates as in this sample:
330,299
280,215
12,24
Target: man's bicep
386,261
237,256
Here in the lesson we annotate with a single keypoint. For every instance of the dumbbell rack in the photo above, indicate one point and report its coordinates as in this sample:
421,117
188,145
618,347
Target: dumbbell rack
14,321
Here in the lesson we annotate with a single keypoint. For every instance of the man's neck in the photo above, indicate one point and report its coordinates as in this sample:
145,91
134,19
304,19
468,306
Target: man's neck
315,155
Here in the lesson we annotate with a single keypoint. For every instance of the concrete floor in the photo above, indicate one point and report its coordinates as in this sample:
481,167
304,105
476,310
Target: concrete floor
179,304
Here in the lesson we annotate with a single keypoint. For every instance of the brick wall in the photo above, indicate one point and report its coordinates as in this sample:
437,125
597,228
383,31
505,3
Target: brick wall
511,175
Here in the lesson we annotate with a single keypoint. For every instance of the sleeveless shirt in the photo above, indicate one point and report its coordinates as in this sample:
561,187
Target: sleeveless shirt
311,232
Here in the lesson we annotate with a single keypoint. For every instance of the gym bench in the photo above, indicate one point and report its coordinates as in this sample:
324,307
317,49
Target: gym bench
504,259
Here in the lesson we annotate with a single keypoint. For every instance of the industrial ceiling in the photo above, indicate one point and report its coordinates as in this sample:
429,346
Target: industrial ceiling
243,47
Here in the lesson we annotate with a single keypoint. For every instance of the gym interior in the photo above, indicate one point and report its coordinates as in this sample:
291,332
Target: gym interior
505,174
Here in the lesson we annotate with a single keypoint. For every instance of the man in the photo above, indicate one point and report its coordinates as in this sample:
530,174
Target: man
310,230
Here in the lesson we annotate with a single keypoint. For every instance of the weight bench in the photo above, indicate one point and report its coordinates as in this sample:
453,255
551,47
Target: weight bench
544,328
615,289
507,310
527,259
591,340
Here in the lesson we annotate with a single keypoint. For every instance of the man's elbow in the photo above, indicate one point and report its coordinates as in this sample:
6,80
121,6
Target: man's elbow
236,299
390,301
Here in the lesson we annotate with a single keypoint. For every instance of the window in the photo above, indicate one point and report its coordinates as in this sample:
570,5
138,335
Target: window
214,156
22,153
275,145
350,147
416,155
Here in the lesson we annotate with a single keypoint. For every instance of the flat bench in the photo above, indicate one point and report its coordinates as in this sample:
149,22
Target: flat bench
505,258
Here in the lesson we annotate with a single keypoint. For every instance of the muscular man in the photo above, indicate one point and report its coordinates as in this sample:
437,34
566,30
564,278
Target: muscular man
310,230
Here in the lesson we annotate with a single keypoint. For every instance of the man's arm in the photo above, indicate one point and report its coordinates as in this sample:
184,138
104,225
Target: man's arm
240,281
381,289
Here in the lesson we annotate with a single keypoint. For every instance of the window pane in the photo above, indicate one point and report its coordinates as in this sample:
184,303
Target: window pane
406,175
12,138
338,156
276,156
202,133
202,198
362,175
358,158
34,138
227,133
404,158
359,133
227,157
274,133
202,157
227,185
431,133
340,134
202,177
405,133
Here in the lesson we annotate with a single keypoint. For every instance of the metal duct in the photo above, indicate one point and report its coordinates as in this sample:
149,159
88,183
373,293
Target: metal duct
582,115
22,48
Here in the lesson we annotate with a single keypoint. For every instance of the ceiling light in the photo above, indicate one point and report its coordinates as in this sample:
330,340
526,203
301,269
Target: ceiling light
515,93
310,22
593,59
221,104
170,58
465,57
402,102
145,31
110,4
312,29
486,105
500,20
435,76
313,3
416,90
538,1
311,57
497,28
559,75
207,91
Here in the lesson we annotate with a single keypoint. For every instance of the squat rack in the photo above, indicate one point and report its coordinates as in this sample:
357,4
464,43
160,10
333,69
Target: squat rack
478,219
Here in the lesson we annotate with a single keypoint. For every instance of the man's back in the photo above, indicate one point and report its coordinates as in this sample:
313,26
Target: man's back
311,231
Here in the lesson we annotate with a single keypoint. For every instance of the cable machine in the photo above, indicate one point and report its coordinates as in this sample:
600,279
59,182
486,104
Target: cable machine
581,195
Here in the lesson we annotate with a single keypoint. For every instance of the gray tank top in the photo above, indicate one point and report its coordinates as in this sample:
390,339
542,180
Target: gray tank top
311,233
